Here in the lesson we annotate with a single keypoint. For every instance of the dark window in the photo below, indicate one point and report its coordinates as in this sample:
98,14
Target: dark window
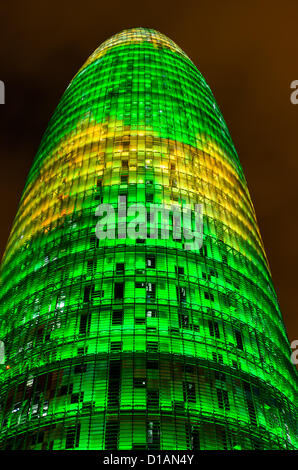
153,398
139,285
150,261
223,399
139,382
65,389
193,441
189,368
203,250
149,197
250,404
82,351
181,294
112,433
151,313
189,392
85,321
119,290
179,270
209,296
90,267
116,346
119,268
87,292
220,376
94,242
80,368
152,346
217,357
153,435
72,437
152,364
213,329
183,320
124,179
239,341
117,317
151,290
114,383
77,397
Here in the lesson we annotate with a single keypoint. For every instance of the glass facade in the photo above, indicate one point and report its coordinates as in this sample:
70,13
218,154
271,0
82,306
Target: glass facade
140,344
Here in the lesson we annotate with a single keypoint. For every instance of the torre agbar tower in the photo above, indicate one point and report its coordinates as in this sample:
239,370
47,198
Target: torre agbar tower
117,343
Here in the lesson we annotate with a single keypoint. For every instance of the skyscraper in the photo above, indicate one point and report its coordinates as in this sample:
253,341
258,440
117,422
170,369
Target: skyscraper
116,343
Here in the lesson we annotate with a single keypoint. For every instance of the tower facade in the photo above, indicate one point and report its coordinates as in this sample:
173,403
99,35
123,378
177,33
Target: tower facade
121,343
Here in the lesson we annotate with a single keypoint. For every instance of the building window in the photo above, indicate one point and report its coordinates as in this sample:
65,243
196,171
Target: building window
183,320
179,271
149,197
151,313
213,328
239,341
152,364
116,346
72,437
85,321
150,261
119,290
139,285
209,296
153,435
139,382
203,250
152,346
111,435
152,398
88,292
90,267
80,368
77,397
181,293
223,399
119,268
151,290
117,317
189,392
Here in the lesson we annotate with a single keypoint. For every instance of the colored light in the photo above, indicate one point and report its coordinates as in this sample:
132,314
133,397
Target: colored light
116,344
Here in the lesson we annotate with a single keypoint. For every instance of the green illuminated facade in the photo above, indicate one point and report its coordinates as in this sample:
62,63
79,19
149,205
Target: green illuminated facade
140,344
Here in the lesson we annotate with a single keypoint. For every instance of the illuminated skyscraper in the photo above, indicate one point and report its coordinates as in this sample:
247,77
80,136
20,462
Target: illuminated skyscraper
140,344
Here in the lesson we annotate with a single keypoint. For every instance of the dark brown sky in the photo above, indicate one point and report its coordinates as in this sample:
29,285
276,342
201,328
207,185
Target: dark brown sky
248,53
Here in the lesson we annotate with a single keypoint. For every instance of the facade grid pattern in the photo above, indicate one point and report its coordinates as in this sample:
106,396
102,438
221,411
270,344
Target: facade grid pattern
140,344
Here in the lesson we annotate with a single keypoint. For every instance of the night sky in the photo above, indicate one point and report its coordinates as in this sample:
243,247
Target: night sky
247,51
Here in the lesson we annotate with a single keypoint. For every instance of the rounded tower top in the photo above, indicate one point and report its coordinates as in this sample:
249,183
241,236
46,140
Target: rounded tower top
134,36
